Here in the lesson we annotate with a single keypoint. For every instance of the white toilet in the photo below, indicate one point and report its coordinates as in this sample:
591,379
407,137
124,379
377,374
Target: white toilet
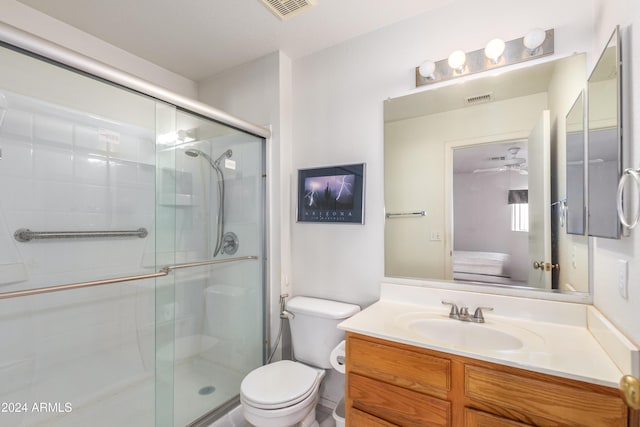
285,393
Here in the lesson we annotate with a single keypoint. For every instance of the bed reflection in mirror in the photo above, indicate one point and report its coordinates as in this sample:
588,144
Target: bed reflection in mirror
491,213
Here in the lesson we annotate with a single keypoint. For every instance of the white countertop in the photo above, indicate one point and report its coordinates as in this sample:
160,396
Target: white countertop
564,349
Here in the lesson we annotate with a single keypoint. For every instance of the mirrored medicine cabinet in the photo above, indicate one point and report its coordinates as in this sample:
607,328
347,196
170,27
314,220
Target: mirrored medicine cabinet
574,205
605,140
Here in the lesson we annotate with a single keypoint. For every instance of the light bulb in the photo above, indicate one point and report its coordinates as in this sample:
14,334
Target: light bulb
494,50
457,60
427,69
534,39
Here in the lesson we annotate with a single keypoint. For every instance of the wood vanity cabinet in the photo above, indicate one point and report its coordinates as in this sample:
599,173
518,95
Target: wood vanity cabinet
392,384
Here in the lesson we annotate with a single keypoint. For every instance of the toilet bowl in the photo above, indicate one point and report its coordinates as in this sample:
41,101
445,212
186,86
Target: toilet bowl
281,394
285,393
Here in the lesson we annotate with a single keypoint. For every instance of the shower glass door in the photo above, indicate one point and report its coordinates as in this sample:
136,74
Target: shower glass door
77,156
90,160
209,212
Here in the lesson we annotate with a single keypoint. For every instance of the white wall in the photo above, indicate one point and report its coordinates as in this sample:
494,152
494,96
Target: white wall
338,96
624,313
27,19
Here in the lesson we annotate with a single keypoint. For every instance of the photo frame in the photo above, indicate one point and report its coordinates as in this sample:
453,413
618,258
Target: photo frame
333,194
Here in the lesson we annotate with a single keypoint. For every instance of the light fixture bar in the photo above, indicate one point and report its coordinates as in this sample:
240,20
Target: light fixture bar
514,52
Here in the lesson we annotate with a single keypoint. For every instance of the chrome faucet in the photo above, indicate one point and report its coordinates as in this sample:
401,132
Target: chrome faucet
462,313
477,315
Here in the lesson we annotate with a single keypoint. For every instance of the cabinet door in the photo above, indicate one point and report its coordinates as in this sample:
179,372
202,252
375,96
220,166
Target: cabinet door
362,419
412,369
473,418
397,405
546,402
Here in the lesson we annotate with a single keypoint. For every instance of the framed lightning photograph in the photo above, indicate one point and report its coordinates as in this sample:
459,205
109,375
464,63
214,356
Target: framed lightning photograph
333,194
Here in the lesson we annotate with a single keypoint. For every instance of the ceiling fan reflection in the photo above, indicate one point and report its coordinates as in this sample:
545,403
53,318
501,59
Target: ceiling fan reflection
514,164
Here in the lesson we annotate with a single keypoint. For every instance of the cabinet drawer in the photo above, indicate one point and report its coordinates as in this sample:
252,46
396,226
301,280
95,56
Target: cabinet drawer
396,404
362,419
473,418
561,403
398,366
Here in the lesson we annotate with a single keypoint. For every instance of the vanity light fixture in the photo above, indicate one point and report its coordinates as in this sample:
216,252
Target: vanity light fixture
497,53
457,61
494,50
534,39
427,69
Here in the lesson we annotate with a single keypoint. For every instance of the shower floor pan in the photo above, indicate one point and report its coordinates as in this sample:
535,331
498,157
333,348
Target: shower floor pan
133,406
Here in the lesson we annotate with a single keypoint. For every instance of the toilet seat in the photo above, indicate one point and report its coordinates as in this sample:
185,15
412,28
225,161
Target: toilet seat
279,385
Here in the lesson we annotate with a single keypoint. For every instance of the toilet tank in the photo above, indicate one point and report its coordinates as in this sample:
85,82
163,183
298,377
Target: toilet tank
314,331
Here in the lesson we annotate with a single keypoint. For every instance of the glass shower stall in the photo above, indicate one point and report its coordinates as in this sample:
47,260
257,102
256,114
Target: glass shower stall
132,253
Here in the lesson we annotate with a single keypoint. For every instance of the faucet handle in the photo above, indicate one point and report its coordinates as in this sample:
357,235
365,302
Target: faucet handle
454,313
477,315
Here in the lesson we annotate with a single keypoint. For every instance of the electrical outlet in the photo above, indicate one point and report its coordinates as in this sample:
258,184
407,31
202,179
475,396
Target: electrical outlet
623,278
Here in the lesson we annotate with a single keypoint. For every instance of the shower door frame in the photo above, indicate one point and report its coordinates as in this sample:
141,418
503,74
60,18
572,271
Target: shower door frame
32,45
74,60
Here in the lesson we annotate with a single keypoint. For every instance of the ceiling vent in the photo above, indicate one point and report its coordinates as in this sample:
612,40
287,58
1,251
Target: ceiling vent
285,9
479,99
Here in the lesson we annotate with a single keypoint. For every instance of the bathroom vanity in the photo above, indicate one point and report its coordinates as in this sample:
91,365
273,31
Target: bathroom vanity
399,372
391,384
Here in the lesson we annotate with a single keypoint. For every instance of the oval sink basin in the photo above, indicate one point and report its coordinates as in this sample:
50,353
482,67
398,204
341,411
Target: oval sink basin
465,334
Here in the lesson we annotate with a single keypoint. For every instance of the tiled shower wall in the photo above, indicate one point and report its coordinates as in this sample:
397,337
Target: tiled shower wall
65,171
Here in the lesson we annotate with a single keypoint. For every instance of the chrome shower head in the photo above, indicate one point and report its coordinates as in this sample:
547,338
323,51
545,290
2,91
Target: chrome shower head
192,152
226,155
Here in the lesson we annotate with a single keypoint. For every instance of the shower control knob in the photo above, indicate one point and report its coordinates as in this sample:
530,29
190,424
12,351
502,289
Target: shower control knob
230,243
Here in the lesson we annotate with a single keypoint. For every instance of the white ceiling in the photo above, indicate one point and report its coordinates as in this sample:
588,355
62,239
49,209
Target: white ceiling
199,38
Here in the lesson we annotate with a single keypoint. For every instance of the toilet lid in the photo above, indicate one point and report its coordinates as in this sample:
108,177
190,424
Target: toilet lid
279,384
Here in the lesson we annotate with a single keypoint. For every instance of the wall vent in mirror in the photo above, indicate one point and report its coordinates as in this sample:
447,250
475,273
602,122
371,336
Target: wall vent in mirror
605,141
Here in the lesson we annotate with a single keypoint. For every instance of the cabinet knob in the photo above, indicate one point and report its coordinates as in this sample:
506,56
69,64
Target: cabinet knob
630,389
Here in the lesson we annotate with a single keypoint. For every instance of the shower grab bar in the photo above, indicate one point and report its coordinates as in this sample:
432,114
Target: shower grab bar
160,273
405,214
26,235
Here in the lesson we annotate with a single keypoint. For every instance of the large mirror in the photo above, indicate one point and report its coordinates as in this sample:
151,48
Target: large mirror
475,177
575,207
605,144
